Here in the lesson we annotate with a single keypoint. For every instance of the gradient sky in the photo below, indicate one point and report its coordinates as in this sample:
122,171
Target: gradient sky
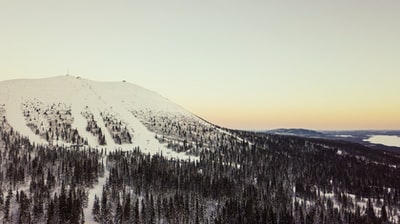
241,64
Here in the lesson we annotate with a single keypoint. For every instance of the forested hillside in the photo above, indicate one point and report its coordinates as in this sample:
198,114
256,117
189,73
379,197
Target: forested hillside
260,179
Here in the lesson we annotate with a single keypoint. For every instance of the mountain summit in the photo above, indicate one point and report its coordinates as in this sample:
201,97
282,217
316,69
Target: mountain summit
71,110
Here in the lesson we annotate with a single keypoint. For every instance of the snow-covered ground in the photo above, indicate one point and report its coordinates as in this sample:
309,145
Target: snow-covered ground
115,98
389,140
352,203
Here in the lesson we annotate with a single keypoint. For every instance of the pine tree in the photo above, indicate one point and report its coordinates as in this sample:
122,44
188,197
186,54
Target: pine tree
6,208
37,207
151,212
370,211
24,214
104,207
127,208
136,211
384,217
143,215
62,204
50,213
118,213
1,198
96,209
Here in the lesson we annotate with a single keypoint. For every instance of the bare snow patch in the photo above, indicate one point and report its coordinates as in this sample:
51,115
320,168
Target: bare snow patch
344,136
389,140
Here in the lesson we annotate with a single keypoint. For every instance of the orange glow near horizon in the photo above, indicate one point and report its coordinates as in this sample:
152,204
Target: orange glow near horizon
340,119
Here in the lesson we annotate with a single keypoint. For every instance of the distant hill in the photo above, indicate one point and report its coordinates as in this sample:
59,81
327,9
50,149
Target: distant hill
297,132
357,136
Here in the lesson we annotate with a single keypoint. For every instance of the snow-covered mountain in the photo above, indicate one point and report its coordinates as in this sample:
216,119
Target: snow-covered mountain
68,110
222,176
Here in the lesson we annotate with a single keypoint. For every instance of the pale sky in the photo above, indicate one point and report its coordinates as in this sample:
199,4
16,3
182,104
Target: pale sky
240,64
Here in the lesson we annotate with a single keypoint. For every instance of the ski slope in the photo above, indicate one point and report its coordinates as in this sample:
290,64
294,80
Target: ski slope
116,98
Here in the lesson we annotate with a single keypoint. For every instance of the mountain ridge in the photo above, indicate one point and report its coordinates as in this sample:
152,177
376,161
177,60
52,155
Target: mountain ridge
99,101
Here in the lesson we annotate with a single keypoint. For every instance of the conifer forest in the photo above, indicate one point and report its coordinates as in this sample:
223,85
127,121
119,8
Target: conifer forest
244,177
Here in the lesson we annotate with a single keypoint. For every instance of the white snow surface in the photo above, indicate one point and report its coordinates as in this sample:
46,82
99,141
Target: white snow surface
344,136
117,98
389,140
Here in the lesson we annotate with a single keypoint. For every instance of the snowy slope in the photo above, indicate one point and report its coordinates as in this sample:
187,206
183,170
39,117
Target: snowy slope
53,108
